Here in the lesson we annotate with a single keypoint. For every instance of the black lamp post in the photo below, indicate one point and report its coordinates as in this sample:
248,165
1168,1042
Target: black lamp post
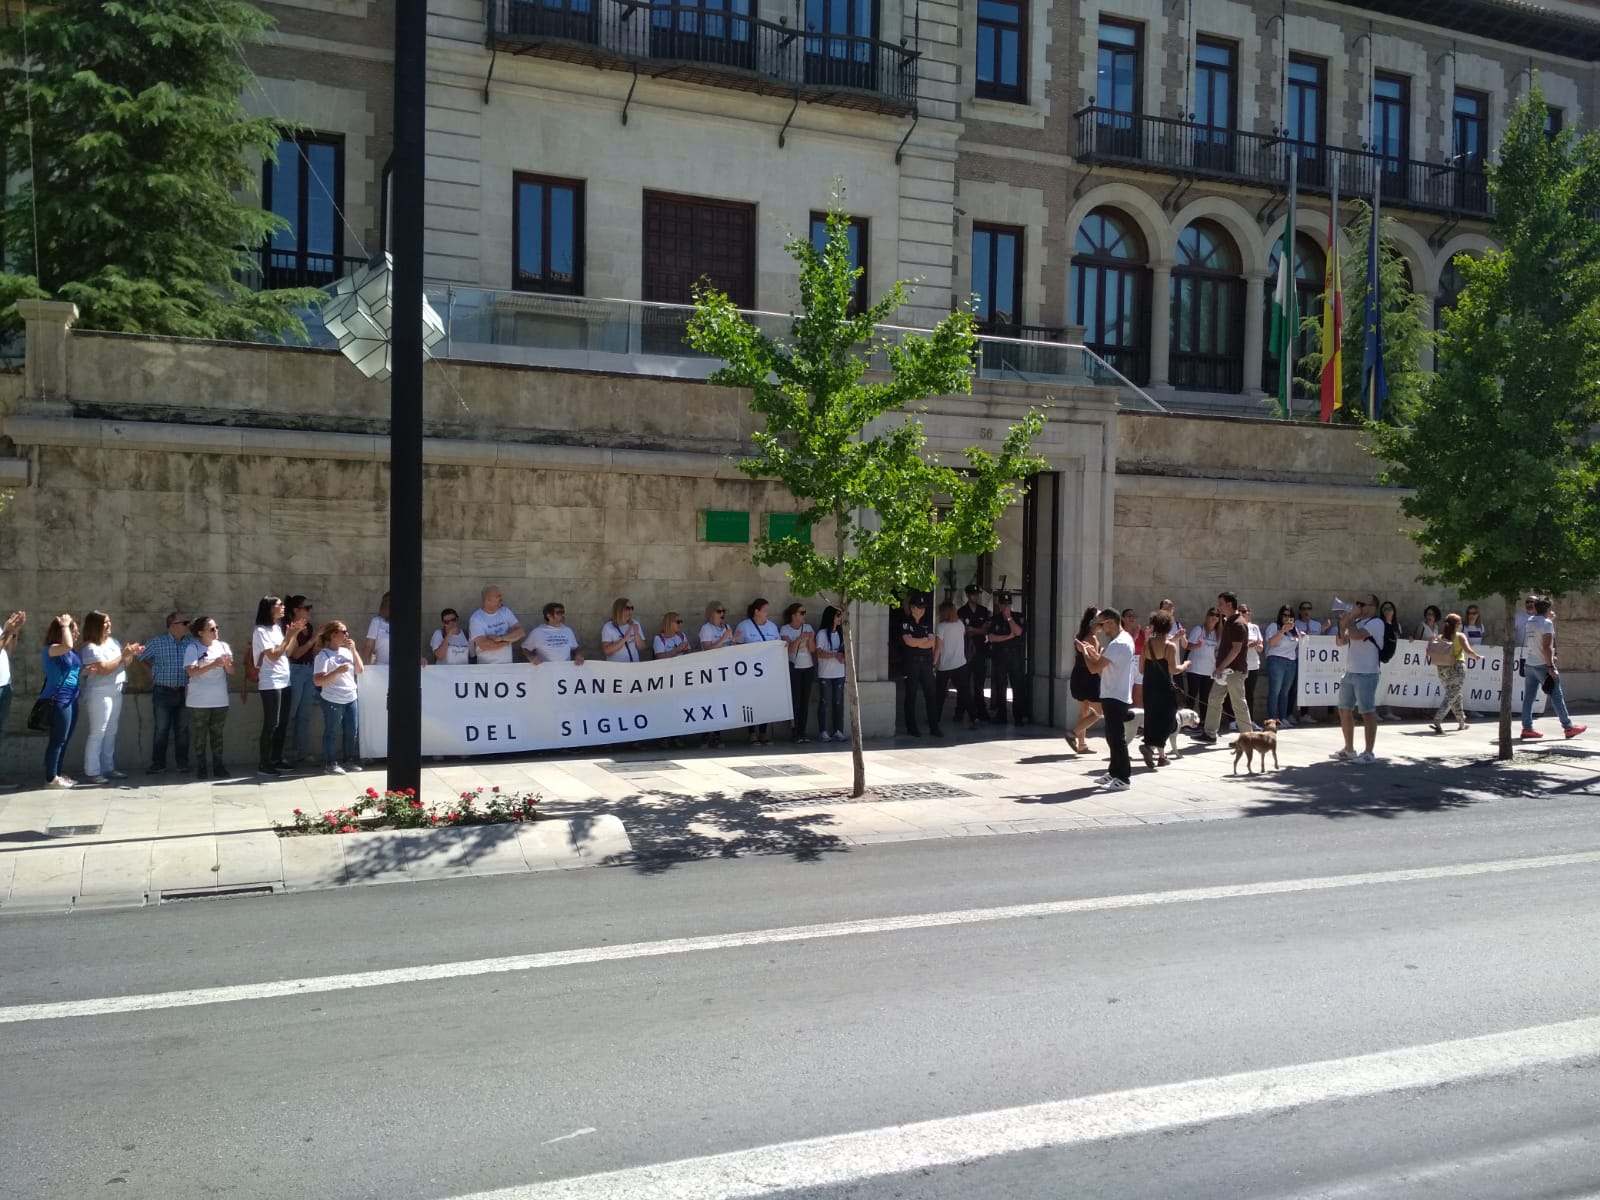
405,398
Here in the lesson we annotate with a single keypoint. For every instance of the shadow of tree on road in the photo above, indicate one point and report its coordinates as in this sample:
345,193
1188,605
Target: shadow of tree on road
1339,790
669,827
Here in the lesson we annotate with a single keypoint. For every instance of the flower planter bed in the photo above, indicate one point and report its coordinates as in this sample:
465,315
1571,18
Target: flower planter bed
402,810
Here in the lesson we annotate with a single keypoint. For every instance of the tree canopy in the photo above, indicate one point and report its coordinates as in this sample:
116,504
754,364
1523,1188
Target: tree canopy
124,119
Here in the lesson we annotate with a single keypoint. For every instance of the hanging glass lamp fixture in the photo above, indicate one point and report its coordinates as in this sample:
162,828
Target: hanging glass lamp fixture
359,312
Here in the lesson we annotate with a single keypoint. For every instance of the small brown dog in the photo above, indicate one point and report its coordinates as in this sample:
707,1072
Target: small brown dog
1249,745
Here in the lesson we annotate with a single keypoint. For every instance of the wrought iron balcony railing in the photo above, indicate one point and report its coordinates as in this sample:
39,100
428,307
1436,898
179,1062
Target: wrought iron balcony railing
715,42
273,268
1189,149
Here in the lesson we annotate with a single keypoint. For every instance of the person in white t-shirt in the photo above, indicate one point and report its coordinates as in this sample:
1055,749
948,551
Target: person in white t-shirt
494,630
1539,664
554,641
1252,662
270,643
105,671
8,642
672,640
207,661
1116,666
376,650
801,639
622,638
714,635
830,676
1530,605
1361,637
449,644
1307,626
758,626
950,660
337,669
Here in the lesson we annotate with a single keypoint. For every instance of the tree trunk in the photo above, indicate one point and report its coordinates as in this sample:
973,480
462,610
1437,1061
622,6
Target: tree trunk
858,781
1507,675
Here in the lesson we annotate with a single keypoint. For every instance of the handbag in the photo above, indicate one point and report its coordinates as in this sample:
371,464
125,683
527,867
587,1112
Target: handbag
1441,653
39,715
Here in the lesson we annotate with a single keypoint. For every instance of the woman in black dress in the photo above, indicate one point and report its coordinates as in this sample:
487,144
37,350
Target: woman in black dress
1084,685
1159,660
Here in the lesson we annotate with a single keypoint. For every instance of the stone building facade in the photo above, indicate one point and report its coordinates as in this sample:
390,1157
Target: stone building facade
151,474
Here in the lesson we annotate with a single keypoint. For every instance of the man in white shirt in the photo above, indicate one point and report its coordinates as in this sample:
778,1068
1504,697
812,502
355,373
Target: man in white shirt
494,630
1361,637
553,641
1530,604
1539,646
1114,665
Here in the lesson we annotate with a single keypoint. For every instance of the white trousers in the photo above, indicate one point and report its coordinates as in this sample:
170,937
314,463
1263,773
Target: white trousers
101,713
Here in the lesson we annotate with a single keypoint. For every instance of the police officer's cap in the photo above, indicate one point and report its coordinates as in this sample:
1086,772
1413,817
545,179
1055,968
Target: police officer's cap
974,589
1002,597
920,599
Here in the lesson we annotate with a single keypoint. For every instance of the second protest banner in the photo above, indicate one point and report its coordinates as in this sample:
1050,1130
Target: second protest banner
1408,680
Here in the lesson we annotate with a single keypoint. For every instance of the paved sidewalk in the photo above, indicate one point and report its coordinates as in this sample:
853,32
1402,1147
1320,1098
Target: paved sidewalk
160,840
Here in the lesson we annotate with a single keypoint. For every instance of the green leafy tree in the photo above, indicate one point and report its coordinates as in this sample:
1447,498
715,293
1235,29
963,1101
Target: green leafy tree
124,117
1405,337
1502,455
847,451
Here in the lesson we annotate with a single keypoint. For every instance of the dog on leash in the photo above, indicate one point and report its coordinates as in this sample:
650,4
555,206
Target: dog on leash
1248,745
1187,719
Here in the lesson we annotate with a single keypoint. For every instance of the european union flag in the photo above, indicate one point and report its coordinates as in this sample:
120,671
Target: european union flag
1374,383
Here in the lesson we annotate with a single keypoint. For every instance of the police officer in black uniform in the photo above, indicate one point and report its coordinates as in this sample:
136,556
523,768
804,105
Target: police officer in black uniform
1005,652
975,618
916,636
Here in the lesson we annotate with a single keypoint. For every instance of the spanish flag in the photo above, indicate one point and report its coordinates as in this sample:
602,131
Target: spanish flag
1332,320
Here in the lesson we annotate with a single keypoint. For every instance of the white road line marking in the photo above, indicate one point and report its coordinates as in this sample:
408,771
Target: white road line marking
567,1137
276,989
900,1149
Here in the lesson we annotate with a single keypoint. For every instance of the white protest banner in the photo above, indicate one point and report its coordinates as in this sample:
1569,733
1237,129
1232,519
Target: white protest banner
1408,680
506,709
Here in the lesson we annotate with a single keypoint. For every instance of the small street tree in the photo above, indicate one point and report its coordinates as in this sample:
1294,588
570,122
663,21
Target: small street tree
123,118
1503,457
847,451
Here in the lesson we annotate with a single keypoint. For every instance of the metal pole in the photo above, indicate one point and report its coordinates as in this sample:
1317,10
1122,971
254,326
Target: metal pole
405,399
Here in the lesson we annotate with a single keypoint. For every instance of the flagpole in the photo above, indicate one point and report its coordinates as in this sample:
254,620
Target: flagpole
1286,355
1332,306
1375,284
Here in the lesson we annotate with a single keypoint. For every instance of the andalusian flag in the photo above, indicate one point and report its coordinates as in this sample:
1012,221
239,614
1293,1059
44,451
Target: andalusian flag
1333,315
1285,306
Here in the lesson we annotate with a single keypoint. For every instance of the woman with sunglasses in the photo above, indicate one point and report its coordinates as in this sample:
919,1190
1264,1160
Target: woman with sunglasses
208,661
672,640
449,642
1472,625
802,643
622,638
270,643
105,670
1203,640
1283,657
714,635
1083,683
338,668
830,676
758,626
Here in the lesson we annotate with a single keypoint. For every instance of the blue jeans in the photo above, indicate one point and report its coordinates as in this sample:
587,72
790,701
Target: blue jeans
1280,684
5,711
337,717
830,696
63,719
170,709
302,699
1532,680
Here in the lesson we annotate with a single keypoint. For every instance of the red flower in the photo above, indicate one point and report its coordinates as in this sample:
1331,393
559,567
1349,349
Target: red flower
411,791
348,829
416,804
297,812
372,793
497,787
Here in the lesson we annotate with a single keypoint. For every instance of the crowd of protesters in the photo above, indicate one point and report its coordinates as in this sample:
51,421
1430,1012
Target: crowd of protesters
1122,663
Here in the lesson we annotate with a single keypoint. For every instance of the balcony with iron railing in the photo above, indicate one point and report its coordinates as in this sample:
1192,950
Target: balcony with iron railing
272,268
1191,150
712,43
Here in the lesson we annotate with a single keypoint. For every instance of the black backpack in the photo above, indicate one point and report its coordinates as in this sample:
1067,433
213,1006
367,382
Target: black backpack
1391,640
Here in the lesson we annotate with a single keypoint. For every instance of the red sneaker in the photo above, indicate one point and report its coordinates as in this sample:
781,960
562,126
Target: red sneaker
1574,730
1528,735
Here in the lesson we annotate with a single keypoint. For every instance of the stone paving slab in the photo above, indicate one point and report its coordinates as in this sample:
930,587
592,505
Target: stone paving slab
168,833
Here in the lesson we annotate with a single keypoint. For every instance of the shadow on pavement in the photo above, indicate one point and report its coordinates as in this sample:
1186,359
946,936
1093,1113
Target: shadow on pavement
1336,789
670,827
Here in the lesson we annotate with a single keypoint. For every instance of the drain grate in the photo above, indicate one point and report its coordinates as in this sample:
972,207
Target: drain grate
71,830
642,766
775,771
888,791
980,775
179,897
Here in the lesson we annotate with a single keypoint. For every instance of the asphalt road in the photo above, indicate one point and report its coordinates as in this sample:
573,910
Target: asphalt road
1141,1031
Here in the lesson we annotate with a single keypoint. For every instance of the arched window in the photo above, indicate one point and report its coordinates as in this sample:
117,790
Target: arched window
1309,265
1111,291
1207,312
1451,283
